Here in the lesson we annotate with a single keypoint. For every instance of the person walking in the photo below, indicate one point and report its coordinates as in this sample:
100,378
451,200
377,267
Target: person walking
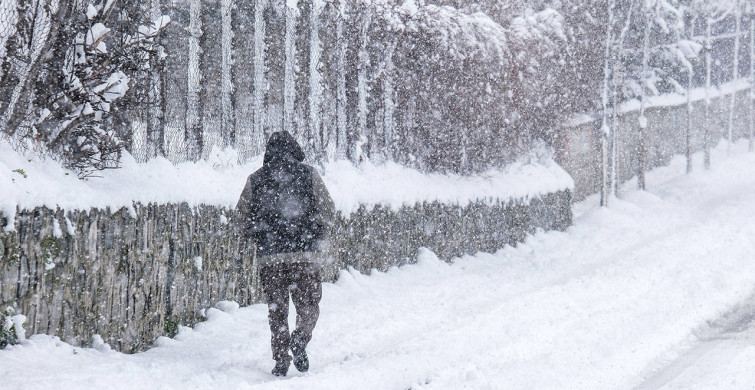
286,211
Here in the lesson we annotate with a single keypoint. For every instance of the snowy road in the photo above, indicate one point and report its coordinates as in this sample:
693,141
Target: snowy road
723,359
605,305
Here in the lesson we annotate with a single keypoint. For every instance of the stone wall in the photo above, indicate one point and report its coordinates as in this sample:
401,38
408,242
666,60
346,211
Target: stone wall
134,275
578,149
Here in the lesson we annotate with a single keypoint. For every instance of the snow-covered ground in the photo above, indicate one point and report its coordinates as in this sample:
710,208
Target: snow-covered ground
605,305
726,361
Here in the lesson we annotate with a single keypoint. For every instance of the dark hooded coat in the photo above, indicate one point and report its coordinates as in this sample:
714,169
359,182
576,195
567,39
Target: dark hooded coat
285,208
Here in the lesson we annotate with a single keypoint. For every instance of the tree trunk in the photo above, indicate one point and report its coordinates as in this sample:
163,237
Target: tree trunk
194,79
604,129
363,64
752,81
243,78
275,65
315,79
289,72
688,135
302,86
212,81
156,112
706,122
227,102
341,141
734,78
389,124
260,114
643,122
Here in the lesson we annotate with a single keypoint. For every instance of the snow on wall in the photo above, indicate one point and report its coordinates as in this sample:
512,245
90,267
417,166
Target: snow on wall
394,185
670,100
28,181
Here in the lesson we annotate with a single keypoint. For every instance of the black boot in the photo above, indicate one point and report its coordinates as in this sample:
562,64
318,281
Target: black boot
300,355
281,368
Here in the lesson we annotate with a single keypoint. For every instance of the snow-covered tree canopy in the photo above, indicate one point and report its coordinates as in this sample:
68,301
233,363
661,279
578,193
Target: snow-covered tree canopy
471,79
446,85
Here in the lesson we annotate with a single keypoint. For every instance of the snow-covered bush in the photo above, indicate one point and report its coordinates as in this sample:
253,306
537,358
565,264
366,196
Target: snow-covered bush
476,84
11,327
84,72
100,69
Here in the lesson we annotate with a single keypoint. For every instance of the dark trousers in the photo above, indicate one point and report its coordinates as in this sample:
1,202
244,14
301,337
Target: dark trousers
302,281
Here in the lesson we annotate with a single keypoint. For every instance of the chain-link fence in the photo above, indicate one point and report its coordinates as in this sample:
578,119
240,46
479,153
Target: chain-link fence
8,19
25,27
216,91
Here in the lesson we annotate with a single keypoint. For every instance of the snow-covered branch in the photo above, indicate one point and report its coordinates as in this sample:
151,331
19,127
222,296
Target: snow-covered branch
100,68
